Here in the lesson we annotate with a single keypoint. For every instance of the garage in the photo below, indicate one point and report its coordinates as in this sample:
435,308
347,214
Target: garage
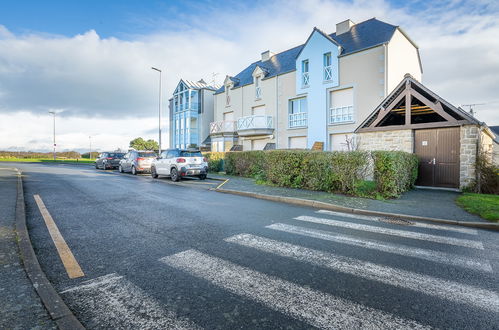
297,142
445,138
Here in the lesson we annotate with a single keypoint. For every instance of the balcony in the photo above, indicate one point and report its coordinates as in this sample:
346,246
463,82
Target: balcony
255,125
222,127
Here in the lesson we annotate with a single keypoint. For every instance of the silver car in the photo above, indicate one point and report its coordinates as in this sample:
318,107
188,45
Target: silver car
179,163
137,162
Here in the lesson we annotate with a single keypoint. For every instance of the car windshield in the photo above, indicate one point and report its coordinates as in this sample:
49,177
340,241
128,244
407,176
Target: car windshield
115,155
147,154
190,154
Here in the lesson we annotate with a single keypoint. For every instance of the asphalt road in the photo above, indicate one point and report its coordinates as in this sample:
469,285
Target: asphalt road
161,255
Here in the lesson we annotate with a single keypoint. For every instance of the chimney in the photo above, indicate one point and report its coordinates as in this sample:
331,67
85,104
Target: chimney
344,27
266,55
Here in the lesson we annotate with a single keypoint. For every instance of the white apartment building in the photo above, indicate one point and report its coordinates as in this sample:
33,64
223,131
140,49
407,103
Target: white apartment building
318,92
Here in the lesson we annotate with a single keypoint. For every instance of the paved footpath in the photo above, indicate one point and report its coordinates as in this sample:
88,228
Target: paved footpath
418,202
20,306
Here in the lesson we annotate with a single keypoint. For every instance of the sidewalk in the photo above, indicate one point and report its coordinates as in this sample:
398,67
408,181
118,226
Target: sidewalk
418,202
20,306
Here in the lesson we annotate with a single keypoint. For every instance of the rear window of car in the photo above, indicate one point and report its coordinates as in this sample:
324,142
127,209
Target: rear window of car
116,155
147,154
190,154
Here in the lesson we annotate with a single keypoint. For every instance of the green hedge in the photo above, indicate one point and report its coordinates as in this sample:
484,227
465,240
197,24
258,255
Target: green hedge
394,172
342,172
215,161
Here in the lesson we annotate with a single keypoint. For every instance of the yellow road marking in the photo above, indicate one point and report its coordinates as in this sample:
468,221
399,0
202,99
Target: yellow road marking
72,267
222,183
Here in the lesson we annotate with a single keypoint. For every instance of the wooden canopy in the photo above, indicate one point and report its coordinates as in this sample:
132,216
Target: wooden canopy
411,106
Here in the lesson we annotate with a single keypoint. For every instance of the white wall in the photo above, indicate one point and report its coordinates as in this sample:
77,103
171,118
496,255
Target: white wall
402,58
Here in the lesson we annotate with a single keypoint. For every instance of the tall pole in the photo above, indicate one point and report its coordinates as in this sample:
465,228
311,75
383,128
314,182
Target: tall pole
53,113
90,154
159,114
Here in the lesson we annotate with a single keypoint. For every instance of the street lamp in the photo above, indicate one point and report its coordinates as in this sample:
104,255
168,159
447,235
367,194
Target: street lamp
159,116
90,154
53,113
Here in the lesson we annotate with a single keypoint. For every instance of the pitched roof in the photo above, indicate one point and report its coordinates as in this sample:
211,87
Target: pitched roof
456,111
364,35
199,84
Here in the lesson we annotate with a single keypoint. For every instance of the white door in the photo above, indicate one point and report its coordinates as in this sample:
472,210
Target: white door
298,142
229,116
258,111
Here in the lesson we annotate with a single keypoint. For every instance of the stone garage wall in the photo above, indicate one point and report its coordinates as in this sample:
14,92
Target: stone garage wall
399,140
469,139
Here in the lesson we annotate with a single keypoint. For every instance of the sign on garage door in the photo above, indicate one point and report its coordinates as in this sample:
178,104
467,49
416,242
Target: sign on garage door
298,142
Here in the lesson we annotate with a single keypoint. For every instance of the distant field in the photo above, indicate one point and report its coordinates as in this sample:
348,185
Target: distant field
47,160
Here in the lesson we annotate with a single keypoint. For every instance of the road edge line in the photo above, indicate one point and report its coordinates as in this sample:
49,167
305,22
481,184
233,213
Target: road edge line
333,207
57,309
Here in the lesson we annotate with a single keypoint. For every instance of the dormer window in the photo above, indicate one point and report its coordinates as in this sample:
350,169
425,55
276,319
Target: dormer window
258,89
227,95
328,67
305,73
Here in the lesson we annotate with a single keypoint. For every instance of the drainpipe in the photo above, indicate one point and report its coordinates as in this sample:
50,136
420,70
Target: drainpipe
276,130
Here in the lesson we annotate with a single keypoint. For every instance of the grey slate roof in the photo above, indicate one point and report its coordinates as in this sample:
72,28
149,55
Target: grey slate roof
361,36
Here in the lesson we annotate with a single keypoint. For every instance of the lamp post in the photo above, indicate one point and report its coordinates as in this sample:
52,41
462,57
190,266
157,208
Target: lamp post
90,154
53,113
159,115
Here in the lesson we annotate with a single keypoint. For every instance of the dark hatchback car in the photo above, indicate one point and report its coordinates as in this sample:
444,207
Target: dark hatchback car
109,160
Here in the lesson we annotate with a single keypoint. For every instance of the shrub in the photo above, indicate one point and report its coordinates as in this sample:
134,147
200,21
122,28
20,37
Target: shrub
487,181
394,172
245,163
215,161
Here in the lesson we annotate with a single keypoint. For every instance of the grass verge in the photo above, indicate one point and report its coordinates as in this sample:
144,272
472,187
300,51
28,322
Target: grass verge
45,160
486,206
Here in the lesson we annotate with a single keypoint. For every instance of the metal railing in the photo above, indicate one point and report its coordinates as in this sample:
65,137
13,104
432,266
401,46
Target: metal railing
328,73
305,79
224,126
255,122
258,92
297,119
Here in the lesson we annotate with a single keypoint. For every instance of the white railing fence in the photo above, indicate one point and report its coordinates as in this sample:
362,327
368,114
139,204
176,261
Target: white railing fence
297,119
254,122
222,126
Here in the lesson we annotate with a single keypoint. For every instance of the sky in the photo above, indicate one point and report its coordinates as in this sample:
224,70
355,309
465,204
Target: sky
90,61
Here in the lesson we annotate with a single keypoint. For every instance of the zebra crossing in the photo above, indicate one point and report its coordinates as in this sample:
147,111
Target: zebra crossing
121,302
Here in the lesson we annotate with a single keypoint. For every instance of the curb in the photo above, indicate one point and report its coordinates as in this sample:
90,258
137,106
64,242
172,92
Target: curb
333,207
58,310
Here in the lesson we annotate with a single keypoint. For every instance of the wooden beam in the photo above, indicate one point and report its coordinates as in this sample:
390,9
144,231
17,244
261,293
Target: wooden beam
415,126
435,106
408,106
392,105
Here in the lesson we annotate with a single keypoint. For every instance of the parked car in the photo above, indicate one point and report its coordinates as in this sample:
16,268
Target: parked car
109,160
178,163
137,162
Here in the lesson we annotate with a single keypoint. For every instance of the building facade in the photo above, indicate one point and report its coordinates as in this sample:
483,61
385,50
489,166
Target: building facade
191,112
316,93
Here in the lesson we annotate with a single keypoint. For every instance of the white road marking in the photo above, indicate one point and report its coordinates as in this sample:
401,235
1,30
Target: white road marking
430,255
317,308
414,223
453,291
113,302
395,232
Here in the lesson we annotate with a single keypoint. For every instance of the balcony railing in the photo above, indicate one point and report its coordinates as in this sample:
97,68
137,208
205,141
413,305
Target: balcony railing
255,125
187,106
305,79
258,92
328,73
224,126
297,119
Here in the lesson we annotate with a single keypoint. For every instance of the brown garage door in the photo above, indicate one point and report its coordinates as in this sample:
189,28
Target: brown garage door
438,152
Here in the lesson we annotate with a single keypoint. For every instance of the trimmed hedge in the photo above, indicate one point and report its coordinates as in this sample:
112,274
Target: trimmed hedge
215,161
394,172
342,172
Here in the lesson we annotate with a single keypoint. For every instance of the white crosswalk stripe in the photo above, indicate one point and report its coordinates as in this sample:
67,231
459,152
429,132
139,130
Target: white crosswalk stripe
414,224
394,232
424,254
429,285
314,307
114,302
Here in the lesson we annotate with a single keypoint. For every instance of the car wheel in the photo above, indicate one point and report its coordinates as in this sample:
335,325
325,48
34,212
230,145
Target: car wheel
120,169
134,170
174,175
153,172
202,177
97,167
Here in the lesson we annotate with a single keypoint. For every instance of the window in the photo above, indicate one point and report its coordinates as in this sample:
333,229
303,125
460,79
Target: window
305,75
227,95
341,106
258,89
297,113
328,68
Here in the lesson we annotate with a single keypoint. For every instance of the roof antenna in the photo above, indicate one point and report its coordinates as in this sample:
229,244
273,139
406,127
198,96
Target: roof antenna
472,107
213,75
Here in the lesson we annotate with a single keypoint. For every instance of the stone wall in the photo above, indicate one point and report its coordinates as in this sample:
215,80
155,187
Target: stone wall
469,140
400,140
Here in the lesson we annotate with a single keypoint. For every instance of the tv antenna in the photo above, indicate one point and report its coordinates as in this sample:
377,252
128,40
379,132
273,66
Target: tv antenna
472,107
213,75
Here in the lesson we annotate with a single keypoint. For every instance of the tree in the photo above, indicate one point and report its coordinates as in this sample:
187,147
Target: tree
141,144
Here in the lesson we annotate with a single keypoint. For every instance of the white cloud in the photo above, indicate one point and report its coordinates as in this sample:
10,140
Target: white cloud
107,82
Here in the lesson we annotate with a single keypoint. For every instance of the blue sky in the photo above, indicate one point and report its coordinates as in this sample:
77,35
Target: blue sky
90,60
